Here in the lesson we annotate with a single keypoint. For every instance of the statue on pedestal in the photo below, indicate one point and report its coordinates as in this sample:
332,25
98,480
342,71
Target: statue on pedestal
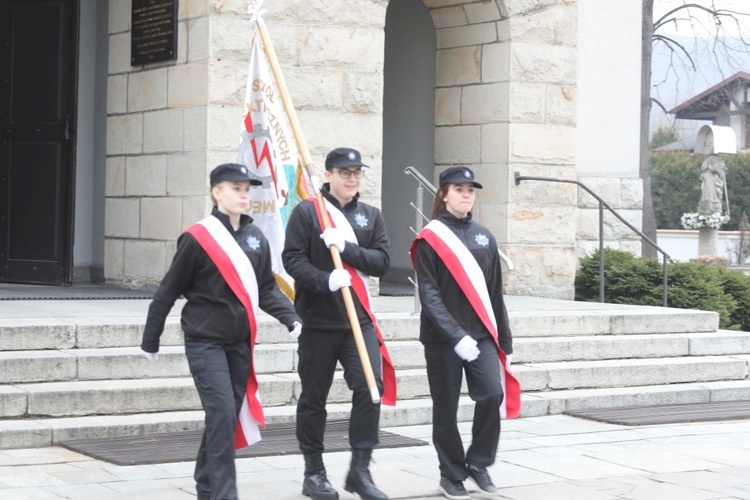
711,140
713,185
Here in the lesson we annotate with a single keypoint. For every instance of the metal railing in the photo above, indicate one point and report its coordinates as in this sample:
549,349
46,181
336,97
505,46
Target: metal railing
421,217
602,205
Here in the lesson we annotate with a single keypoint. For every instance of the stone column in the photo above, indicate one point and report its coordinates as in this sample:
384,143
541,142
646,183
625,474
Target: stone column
708,241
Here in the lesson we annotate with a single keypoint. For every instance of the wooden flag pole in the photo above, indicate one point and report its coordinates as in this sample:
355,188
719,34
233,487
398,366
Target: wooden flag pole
307,162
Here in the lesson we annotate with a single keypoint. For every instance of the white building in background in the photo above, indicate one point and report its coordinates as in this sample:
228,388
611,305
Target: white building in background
121,152
724,104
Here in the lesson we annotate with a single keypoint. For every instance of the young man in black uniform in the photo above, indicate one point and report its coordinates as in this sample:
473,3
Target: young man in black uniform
223,267
360,236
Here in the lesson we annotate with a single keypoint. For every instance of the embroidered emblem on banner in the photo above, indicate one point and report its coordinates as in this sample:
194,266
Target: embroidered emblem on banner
361,220
253,242
482,240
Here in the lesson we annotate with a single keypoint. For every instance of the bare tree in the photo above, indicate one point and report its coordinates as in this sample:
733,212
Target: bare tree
740,248
724,33
648,222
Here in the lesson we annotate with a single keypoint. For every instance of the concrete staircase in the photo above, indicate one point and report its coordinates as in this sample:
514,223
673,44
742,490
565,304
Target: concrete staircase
83,378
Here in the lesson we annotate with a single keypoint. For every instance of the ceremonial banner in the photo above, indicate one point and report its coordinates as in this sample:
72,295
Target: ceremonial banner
269,151
266,98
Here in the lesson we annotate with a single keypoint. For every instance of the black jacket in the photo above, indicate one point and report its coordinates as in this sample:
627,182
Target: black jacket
212,310
447,314
308,260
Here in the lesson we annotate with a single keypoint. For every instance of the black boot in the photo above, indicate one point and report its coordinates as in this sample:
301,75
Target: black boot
359,480
316,485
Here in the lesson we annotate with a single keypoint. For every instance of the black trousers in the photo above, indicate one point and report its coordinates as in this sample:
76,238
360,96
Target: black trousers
220,372
319,350
445,372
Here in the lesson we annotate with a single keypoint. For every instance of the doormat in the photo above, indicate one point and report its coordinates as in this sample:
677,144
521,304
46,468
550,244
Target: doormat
78,291
389,289
668,414
278,439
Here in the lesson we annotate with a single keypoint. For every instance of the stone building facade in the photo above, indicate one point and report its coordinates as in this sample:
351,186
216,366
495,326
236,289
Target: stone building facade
540,87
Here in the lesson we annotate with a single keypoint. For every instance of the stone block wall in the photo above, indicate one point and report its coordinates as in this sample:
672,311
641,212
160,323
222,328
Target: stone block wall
156,168
507,101
170,123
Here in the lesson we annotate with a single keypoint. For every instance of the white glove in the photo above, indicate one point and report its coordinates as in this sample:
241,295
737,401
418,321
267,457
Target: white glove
334,236
339,278
296,330
508,358
151,356
467,349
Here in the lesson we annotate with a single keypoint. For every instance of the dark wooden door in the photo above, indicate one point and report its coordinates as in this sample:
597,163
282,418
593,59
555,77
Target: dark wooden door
37,113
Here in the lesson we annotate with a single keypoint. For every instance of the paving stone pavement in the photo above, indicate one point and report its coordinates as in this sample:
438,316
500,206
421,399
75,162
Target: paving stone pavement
551,457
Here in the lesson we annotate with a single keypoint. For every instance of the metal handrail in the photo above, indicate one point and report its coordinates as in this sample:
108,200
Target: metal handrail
420,178
428,185
602,205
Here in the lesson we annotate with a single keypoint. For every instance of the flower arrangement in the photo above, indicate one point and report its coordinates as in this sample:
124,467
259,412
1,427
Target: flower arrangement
695,220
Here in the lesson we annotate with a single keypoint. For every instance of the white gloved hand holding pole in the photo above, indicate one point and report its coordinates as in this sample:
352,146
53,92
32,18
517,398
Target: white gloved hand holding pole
334,236
508,358
338,279
467,348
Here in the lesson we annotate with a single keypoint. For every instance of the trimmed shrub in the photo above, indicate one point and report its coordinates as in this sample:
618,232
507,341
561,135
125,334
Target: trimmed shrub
627,279
737,284
634,280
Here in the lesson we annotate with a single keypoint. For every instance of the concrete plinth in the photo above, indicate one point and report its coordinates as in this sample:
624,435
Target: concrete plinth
708,241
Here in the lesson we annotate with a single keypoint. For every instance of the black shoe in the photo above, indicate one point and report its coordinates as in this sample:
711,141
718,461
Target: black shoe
316,484
453,489
359,480
317,487
481,477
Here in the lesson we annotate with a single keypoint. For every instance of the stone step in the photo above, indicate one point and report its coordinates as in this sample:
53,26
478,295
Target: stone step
128,362
101,397
122,396
65,377
18,334
615,321
34,433
630,372
555,402
600,347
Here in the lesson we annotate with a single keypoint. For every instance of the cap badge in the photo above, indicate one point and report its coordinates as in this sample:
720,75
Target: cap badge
243,169
352,156
482,240
467,174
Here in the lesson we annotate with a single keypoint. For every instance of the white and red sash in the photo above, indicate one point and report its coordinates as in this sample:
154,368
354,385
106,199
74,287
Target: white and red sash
360,285
238,272
470,278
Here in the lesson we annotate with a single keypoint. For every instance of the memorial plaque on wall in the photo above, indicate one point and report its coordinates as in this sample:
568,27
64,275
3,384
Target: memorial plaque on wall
154,31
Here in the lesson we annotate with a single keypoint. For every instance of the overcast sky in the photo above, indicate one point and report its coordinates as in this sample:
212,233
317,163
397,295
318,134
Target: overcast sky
678,83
